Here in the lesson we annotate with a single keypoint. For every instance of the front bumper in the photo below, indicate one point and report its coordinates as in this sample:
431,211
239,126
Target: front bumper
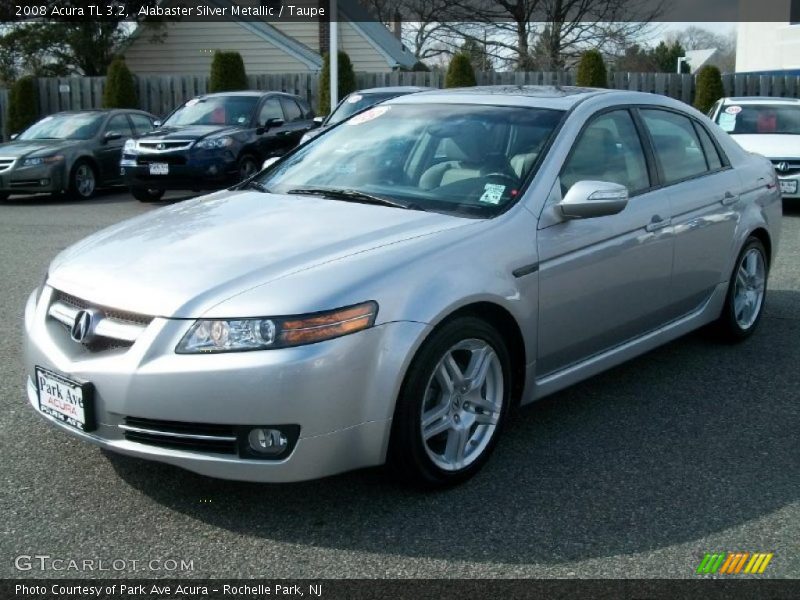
33,180
189,170
340,393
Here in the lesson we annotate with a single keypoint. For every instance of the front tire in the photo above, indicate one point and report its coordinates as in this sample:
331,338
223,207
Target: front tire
452,405
82,180
744,303
147,194
248,166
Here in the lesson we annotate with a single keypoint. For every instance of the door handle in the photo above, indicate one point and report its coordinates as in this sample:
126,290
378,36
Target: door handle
656,223
729,198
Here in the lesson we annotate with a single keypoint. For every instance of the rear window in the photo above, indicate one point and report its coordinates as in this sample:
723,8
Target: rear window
760,119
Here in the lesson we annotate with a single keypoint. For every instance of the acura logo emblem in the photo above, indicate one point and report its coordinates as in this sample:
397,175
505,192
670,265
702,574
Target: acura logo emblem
82,330
160,147
782,166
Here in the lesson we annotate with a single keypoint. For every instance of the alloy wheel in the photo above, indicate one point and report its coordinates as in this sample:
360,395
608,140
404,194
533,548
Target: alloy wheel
748,295
84,180
462,404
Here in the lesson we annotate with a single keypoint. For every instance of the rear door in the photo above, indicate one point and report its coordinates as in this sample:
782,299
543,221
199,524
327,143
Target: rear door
604,280
703,192
296,122
109,152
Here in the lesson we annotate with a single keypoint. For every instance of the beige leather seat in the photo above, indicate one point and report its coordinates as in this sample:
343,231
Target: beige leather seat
464,152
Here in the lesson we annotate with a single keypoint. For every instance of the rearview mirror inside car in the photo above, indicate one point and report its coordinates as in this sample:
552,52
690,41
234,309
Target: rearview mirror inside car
587,199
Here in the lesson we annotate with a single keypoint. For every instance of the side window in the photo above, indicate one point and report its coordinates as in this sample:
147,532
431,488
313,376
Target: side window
609,149
271,109
712,156
291,110
676,145
141,123
119,124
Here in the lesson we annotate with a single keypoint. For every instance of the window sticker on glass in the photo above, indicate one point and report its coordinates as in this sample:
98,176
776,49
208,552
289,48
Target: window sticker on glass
242,119
727,122
733,110
368,115
354,98
492,193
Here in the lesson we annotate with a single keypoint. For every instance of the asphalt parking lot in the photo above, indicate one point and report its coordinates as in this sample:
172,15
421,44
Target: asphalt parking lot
638,472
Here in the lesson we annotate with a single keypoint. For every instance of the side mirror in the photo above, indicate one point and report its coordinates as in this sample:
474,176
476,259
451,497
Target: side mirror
270,161
14,136
587,199
156,124
112,135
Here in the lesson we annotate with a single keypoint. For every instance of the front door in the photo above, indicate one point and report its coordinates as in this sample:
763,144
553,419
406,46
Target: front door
604,280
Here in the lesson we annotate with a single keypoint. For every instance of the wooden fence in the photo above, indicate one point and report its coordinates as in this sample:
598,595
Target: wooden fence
160,94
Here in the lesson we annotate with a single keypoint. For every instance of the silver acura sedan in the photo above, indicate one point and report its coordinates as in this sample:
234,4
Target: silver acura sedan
388,291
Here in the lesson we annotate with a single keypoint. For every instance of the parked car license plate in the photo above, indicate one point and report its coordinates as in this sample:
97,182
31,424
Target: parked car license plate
788,186
68,401
159,169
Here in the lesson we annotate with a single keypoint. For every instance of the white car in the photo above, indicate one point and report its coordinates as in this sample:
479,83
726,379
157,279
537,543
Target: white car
766,126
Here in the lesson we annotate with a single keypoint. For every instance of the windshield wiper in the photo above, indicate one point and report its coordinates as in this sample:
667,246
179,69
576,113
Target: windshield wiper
354,196
256,185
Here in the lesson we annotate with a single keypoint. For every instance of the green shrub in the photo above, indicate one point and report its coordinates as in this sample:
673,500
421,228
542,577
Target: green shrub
23,105
120,90
347,81
592,70
227,72
709,88
420,67
460,72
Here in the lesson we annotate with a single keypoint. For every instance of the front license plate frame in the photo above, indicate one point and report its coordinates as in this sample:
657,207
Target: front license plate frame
788,186
61,397
159,168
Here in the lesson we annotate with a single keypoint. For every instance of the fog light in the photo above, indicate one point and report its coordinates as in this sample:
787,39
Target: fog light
267,441
44,182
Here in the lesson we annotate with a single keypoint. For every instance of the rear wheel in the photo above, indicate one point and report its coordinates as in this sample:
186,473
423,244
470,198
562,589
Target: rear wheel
147,194
453,404
744,303
82,180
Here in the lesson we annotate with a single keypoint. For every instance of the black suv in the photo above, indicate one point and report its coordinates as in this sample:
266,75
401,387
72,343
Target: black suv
213,141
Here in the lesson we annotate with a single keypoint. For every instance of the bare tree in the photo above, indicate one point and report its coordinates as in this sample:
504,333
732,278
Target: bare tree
698,38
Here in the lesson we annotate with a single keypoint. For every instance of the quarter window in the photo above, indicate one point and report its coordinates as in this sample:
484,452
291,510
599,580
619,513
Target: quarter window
712,156
609,149
676,145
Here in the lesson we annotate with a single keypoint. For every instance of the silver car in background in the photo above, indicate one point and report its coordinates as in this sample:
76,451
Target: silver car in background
387,292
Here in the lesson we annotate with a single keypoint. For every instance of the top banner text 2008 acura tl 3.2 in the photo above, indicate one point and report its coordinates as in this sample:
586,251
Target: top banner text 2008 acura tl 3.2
388,290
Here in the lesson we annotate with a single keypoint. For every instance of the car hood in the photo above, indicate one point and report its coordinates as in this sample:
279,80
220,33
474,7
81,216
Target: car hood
18,149
183,259
770,145
190,132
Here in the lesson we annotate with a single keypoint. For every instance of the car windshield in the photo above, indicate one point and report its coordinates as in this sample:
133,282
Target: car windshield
760,118
465,159
356,102
78,126
216,110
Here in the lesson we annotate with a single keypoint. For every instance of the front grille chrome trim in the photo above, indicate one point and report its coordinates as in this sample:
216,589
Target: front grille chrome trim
174,434
107,327
151,147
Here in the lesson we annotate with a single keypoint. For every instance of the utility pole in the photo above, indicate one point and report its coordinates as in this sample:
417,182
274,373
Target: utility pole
334,54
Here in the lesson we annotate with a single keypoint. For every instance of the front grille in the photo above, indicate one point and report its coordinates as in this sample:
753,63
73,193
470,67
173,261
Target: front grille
163,146
6,163
113,328
791,167
201,437
111,313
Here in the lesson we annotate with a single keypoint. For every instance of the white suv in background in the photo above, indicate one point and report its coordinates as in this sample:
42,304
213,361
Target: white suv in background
767,126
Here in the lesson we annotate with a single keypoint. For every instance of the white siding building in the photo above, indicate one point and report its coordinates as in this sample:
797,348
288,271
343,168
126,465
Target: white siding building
772,46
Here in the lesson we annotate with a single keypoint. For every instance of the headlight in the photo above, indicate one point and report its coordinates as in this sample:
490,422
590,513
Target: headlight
217,142
130,146
236,335
35,161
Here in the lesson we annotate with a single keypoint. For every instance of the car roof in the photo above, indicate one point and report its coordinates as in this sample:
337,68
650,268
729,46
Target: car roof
102,111
546,96
397,89
256,93
759,100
